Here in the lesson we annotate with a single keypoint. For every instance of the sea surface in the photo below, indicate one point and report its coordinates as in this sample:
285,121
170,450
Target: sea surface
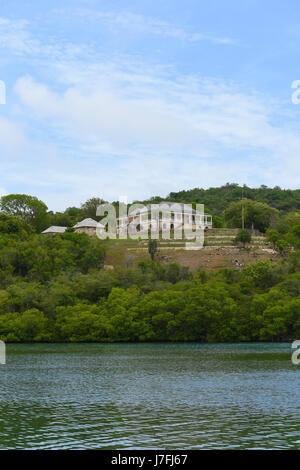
149,396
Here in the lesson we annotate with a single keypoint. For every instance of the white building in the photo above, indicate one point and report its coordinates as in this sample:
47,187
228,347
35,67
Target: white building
55,229
158,217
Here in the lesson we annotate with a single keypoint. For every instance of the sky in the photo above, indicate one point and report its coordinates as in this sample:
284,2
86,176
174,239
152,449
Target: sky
140,98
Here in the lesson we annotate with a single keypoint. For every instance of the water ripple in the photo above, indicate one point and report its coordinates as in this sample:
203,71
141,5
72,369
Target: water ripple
159,396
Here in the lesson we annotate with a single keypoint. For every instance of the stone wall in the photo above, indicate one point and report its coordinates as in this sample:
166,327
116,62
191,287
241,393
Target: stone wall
91,231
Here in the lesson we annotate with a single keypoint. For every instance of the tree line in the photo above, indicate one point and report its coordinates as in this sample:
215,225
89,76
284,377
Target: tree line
264,208
218,199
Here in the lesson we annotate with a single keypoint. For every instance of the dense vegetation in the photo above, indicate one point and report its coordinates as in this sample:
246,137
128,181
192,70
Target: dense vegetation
54,288
36,214
218,199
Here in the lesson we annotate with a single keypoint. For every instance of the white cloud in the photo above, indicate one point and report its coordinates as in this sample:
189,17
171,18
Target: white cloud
3,192
158,116
139,134
14,36
118,125
141,24
12,138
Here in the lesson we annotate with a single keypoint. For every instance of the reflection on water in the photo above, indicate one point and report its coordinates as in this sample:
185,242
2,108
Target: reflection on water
149,396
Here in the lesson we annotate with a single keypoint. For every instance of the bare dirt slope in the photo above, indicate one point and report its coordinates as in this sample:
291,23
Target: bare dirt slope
219,252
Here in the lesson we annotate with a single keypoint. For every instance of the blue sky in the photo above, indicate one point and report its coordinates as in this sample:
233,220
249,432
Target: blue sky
140,98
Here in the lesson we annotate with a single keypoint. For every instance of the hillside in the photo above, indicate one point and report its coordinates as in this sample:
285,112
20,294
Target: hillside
219,252
218,199
70,287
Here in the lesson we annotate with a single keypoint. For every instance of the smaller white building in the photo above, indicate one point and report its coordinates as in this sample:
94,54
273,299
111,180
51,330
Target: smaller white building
55,229
88,226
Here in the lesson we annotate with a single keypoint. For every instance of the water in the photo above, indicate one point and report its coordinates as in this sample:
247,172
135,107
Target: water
149,396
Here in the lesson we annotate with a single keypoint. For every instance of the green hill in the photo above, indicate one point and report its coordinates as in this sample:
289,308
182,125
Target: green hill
218,199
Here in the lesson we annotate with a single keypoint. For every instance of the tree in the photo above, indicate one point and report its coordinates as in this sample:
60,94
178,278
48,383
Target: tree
29,208
60,219
31,325
93,257
74,212
218,199
294,235
11,224
273,236
244,237
262,273
152,248
288,221
258,215
283,247
294,261
89,208
217,221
